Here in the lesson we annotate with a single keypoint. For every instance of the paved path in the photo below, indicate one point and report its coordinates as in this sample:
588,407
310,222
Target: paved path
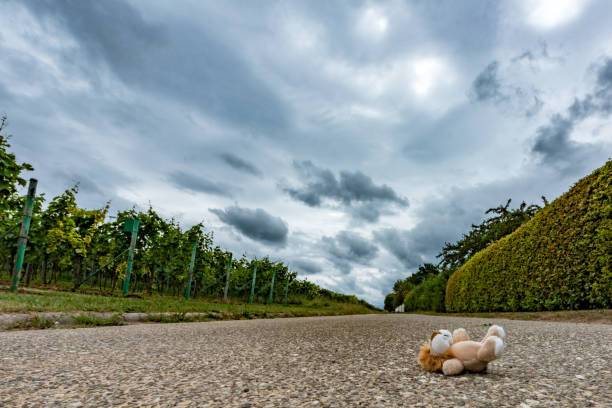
330,361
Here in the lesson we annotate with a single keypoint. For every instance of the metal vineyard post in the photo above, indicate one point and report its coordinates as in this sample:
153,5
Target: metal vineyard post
191,265
227,278
253,284
286,292
23,232
272,287
132,226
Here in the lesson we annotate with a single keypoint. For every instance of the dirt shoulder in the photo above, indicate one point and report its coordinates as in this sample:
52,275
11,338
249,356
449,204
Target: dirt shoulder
599,316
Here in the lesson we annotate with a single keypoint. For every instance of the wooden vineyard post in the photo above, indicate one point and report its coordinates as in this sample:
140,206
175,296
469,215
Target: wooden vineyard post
131,225
227,278
253,284
191,265
286,292
272,287
22,241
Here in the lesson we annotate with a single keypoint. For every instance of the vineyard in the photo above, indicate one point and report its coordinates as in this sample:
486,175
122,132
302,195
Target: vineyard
132,252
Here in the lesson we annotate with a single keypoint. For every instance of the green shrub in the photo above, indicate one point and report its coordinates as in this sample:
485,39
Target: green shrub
389,300
559,260
429,295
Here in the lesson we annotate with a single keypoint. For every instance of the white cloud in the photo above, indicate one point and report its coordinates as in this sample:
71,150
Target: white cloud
41,47
548,14
395,80
428,72
373,23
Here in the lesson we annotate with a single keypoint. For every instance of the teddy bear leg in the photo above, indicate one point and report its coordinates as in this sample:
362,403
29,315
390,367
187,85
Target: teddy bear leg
460,335
496,330
453,366
491,349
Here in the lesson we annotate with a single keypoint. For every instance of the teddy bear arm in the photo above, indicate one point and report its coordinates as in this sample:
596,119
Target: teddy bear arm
453,366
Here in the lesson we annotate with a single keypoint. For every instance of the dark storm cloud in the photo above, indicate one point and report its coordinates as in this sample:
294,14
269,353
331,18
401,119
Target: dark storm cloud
604,92
199,184
357,186
348,248
239,164
369,212
486,86
355,191
306,266
403,245
179,60
256,224
552,141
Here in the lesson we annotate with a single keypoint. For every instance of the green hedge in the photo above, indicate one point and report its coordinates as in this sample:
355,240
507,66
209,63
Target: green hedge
560,259
428,295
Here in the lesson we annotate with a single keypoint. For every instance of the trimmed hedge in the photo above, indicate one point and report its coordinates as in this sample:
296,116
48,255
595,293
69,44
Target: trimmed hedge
559,260
428,295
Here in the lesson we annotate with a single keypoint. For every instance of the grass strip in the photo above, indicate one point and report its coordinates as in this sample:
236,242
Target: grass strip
42,300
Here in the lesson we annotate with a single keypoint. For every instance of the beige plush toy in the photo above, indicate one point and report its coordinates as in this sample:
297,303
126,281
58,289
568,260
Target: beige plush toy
454,353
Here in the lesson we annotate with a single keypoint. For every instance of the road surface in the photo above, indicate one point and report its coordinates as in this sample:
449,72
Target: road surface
328,361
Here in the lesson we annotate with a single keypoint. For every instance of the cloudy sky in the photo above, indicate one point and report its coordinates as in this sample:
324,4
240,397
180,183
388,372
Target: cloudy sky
349,138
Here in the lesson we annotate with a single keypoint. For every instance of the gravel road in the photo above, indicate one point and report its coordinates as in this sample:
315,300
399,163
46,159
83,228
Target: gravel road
327,361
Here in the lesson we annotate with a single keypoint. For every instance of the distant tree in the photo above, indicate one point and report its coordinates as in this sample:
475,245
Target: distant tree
504,222
389,302
403,286
425,271
10,172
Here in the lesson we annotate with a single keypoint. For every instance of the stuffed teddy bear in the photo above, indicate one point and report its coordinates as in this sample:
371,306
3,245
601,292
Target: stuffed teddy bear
454,353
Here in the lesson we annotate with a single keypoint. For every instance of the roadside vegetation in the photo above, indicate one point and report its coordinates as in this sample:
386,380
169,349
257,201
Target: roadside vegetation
425,290
532,258
559,260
